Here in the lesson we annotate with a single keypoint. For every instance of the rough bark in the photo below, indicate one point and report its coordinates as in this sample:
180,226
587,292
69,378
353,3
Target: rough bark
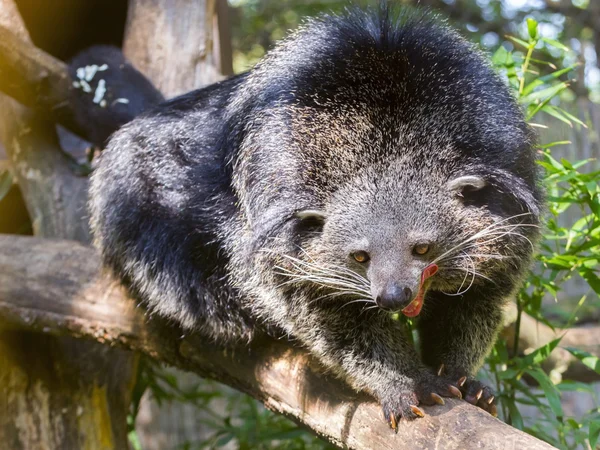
55,287
160,42
35,79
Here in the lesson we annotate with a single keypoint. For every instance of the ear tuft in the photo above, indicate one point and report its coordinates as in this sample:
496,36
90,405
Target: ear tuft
311,220
467,183
311,214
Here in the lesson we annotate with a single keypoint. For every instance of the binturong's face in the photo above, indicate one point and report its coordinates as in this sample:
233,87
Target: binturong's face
391,235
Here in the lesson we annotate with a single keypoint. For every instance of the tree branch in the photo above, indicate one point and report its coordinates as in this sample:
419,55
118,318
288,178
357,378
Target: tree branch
53,287
36,79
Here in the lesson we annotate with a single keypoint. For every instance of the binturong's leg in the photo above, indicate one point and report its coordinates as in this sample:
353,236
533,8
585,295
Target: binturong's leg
371,352
456,333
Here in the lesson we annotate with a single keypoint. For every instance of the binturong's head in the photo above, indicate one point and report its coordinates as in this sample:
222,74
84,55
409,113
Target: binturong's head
393,234
393,162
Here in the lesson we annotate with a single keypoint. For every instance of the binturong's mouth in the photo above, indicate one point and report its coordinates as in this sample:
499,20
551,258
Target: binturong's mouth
414,307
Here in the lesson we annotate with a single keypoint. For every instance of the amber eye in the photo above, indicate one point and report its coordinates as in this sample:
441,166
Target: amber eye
421,249
360,256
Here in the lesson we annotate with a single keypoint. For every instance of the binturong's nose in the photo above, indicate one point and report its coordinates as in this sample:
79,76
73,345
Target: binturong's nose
394,297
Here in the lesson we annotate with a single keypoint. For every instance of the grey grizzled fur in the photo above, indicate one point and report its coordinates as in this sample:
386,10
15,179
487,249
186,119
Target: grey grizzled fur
237,208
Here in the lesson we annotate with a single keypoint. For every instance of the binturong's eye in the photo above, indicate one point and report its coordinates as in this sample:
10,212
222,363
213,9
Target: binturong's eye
361,257
421,249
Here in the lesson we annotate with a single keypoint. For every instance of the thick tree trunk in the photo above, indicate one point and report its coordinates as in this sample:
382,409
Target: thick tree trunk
173,43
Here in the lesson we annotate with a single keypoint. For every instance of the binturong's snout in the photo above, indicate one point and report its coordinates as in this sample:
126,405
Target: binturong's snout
394,297
400,297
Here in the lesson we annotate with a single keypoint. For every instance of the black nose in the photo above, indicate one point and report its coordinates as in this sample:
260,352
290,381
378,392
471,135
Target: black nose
394,297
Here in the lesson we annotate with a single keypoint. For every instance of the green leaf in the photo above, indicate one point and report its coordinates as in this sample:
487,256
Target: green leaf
551,392
515,415
224,440
556,44
575,386
546,78
591,278
556,113
555,143
572,117
532,26
508,374
554,163
134,440
6,183
501,57
594,433
546,93
519,41
589,360
538,356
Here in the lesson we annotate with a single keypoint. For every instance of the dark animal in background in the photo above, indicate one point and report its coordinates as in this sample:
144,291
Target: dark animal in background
108,91
371,163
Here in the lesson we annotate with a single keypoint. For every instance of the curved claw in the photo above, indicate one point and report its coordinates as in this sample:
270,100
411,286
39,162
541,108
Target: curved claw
493,410
417,411
454,391
436,398
393,423
461,381
440,371
479,394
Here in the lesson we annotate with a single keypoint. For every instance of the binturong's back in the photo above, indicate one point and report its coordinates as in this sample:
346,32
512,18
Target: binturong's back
371,164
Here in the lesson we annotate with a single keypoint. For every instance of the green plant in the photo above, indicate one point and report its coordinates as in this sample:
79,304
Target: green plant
567,251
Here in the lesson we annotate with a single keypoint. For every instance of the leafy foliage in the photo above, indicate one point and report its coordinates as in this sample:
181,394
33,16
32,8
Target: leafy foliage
567,251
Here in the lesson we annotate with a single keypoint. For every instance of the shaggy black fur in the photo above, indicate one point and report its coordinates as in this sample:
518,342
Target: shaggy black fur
242,206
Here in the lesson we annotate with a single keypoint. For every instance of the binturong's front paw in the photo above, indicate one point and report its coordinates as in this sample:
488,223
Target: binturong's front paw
472,390
403,400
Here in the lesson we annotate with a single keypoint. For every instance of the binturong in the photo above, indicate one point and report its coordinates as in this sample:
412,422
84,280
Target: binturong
371,164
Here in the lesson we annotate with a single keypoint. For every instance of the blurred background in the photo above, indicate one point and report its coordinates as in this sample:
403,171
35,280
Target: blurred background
176,410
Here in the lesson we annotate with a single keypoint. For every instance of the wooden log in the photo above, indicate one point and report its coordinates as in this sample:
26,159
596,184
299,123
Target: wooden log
40,81
56,287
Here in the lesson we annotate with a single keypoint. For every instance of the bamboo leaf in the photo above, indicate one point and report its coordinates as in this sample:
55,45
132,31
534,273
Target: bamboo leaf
551,392
589,360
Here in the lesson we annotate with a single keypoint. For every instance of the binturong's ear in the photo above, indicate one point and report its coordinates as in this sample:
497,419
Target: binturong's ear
515,194
466,184
313,219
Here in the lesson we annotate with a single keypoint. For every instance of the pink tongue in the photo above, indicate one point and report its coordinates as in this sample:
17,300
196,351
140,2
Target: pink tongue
414,308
